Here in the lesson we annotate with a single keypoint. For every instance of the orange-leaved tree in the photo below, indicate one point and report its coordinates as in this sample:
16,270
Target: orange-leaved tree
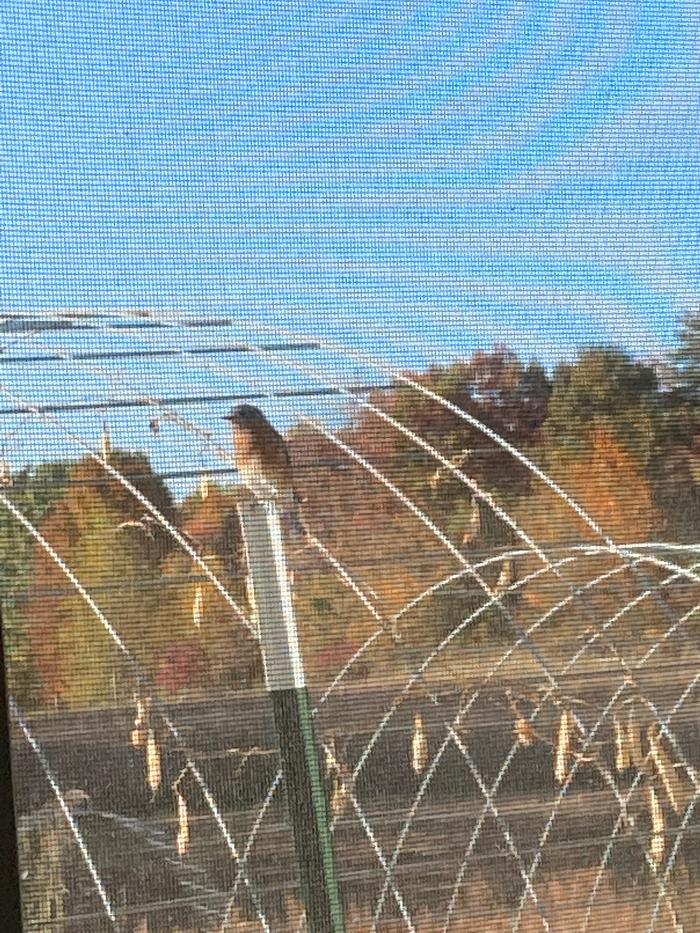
203,642
108,539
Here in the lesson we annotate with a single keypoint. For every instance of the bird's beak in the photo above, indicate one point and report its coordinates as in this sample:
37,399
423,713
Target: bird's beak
228,418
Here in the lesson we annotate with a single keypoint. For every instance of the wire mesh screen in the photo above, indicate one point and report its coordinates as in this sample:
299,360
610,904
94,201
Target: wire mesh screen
493,589
350,466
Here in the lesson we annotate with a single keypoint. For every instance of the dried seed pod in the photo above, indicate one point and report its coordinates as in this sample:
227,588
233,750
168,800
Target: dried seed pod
634,741
252,604
665,770
5,473
622,745
474,527
106,442
143,710
419,745
457,460
563,749
138,733
198,606
506,577
658,826
339,797
153,765
331,757
183,826
524,731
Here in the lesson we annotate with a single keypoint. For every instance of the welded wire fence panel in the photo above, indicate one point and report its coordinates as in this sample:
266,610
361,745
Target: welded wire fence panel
350,466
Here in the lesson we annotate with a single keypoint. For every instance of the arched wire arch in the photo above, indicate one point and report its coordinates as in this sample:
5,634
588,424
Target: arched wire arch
631,558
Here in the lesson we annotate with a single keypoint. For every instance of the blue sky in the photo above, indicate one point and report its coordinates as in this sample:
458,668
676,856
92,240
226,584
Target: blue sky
426,176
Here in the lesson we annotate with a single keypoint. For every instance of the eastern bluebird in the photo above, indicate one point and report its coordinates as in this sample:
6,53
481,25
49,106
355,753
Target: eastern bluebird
263,460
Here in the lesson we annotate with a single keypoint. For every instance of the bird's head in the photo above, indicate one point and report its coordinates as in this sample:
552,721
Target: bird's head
245,416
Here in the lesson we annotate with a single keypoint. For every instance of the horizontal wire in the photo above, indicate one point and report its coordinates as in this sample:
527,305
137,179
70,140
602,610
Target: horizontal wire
195,399
21,321
155,354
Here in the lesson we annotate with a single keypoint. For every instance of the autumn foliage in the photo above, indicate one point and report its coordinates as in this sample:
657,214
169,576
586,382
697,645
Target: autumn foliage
622,448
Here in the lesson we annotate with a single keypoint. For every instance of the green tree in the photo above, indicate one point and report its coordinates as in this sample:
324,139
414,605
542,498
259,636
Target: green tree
687,356
34,489
200,641
606,390
603,388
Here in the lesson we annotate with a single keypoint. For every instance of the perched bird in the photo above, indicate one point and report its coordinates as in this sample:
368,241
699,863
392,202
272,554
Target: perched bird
263,461
261,455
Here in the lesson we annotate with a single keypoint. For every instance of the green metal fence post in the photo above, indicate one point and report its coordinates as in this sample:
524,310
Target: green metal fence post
284,677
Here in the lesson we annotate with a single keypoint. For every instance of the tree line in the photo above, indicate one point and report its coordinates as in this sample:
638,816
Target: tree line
620,435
